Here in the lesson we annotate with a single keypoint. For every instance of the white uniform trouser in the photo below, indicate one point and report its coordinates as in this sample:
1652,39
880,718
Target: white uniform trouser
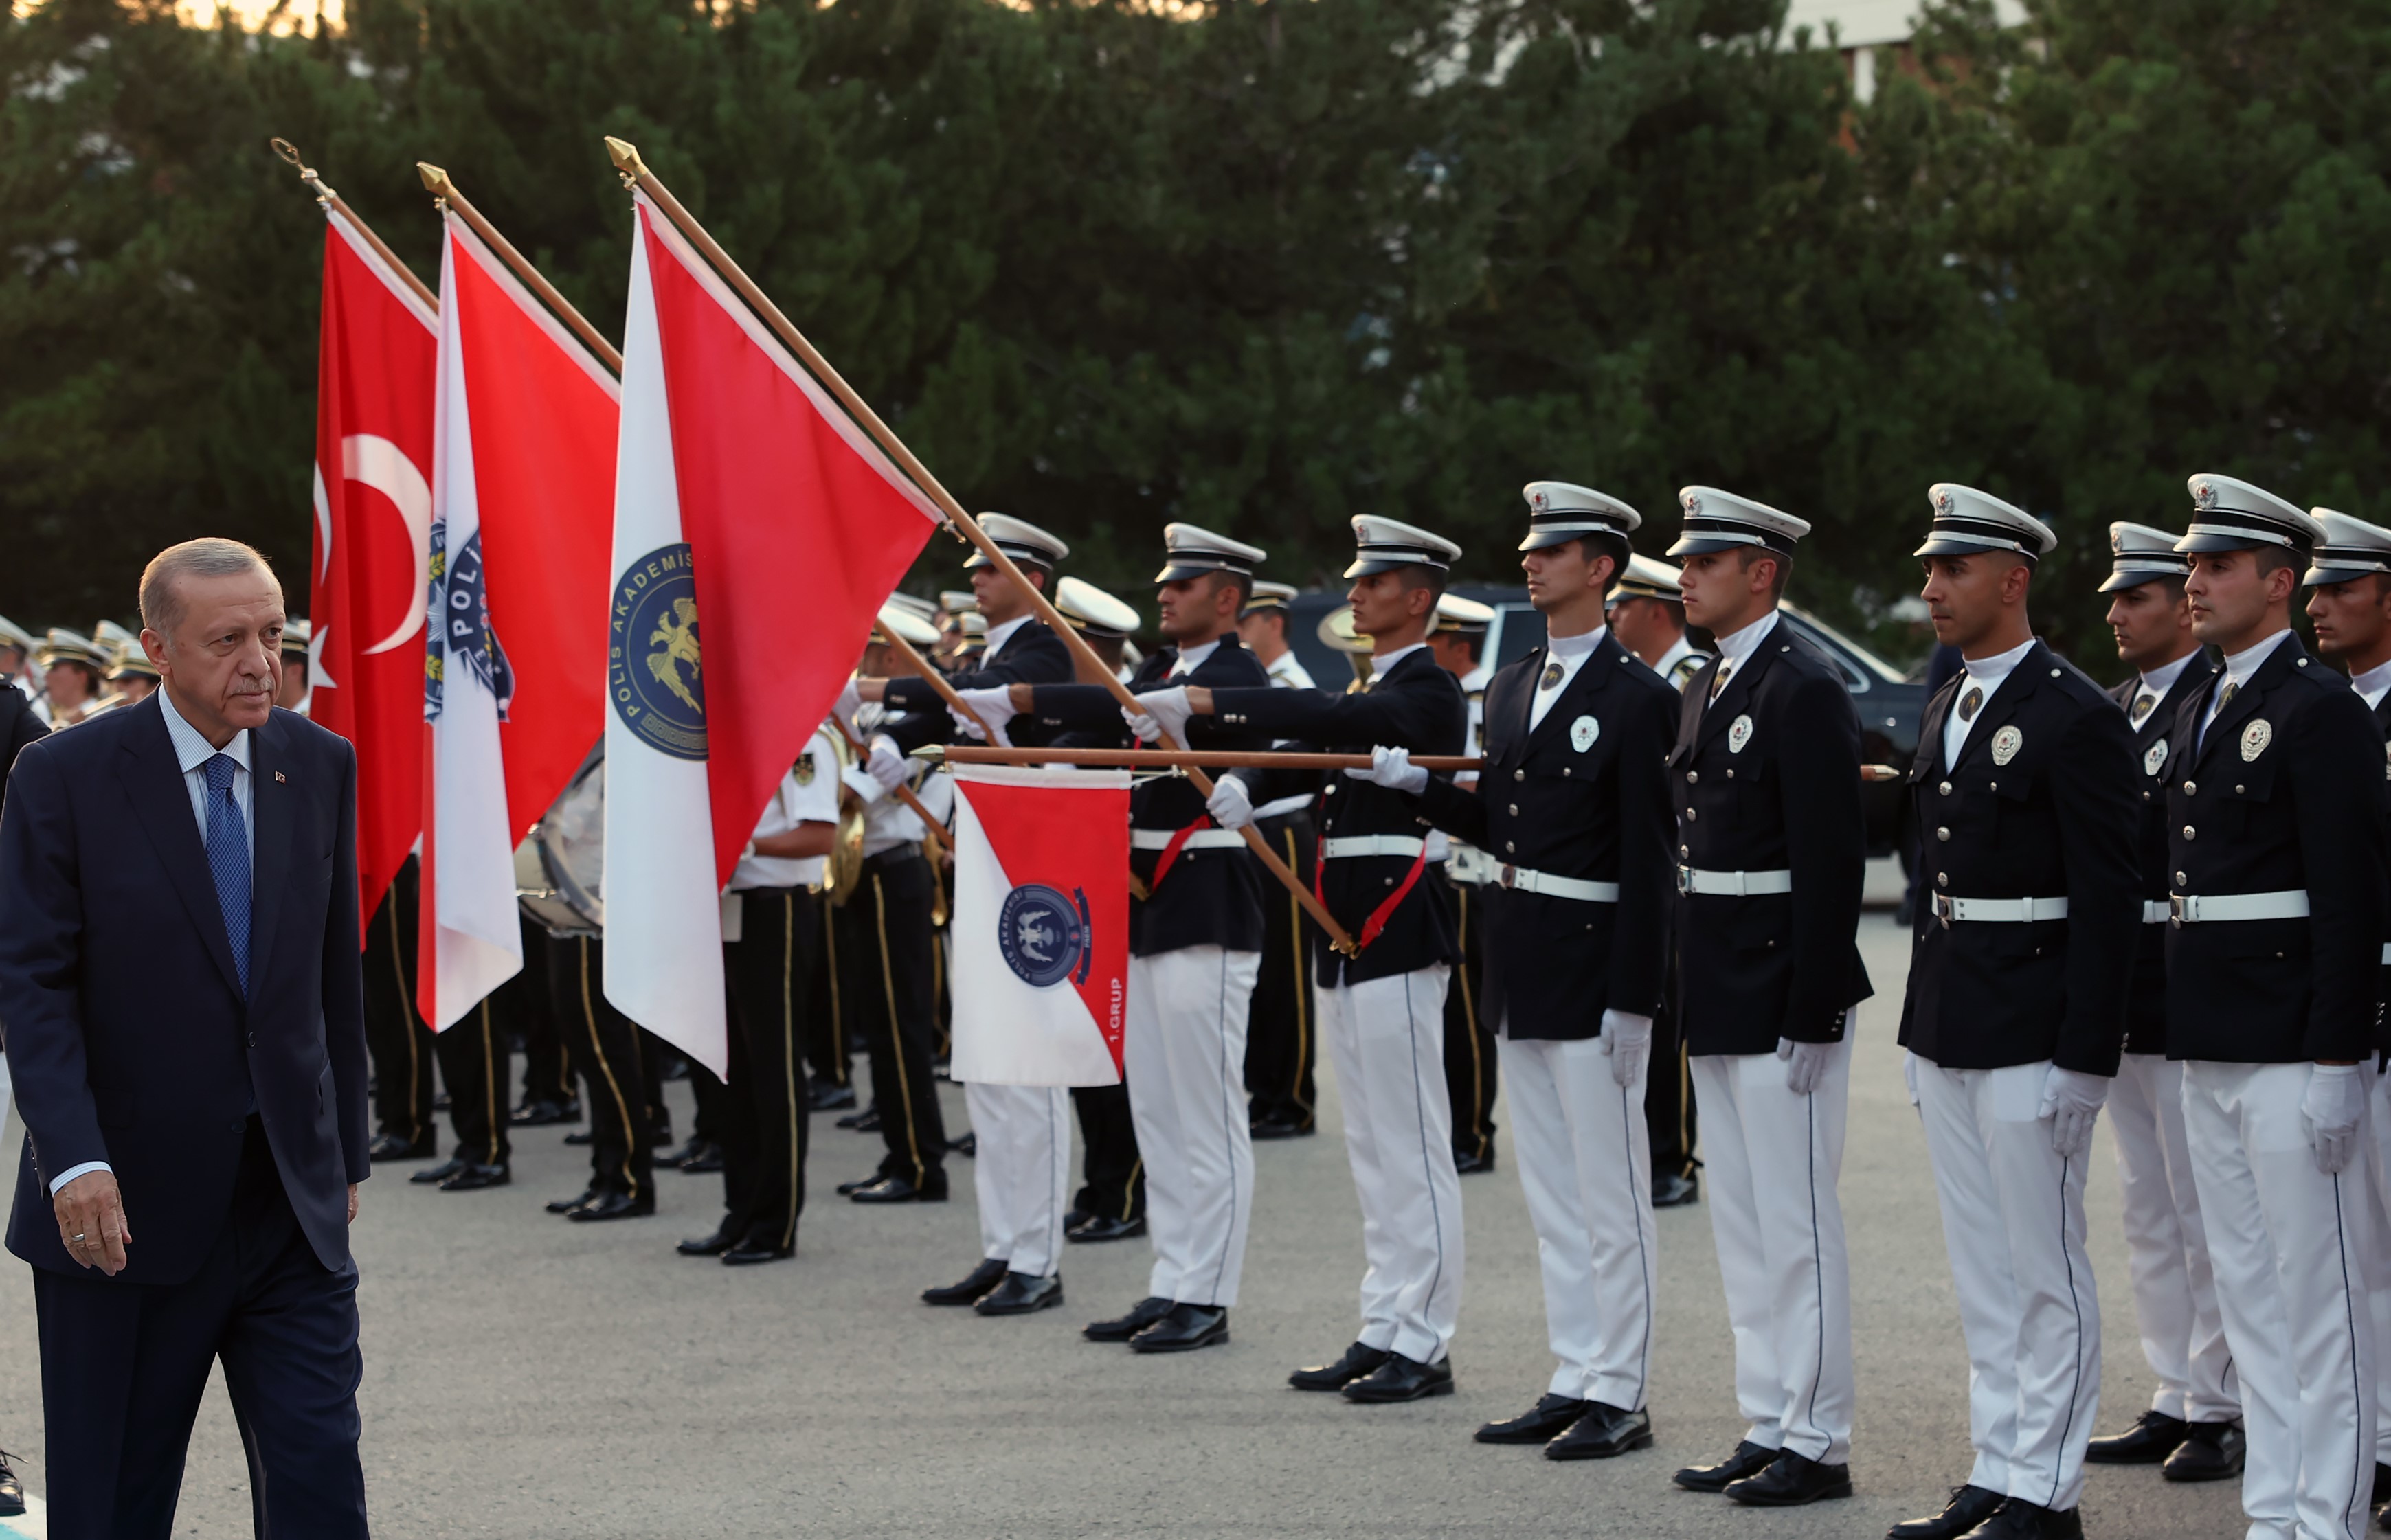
1021,1172
1386,1041
1585,1165
1186,1049
2166,1247
2289,1245
1773,1159
2013,1222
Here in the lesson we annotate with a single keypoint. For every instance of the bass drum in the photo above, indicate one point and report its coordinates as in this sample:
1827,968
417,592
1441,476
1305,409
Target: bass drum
560,866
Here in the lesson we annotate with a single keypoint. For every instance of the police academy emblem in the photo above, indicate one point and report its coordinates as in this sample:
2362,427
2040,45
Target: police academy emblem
2006,744
1044,935
1738,733
2152,761
2254,738
1582,732
651,653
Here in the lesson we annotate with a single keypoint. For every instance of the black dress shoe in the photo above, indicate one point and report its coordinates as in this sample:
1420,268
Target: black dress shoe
1185,1329
475,1176
1748,1460
1791,1482
440,1172
539,1115
691,1150
2381,1515
566,1205
898,1189
1402,1379
1103,1227
984,1277
1358,1361
2210,1451
2152,1439
1120,1328
1969,1507
1278,1125
967,1146
855,1117
613,1205
747,1253
1074,1218
708,1158
2382,1485
1020,1294
1671,1190
865,1121
1602,1433
2017,1519
584,1138
12,1494
1550,1415
393,1146
1473,1163
826,1097
712,1245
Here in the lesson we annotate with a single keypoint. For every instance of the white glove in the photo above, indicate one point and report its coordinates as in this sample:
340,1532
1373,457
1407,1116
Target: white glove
2335,1100
850,701
1805,1064
993,706
1627,1039
1909,1075
2072,1100
885,764
1166,712
1231,805
1392,768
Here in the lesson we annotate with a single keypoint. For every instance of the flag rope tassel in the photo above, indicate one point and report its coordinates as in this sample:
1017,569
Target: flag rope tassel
635,174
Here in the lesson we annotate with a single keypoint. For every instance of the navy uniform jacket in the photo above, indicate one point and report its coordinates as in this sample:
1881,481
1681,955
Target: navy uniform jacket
1583,796
1211,897
1768,778
2057,821
1032,655
125,1028
2283,794
2383,989
2146,1007
1414,705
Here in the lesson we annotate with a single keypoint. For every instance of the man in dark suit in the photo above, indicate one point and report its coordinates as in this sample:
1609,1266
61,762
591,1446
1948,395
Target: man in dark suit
2026,802
202,1070
18,727
1765,775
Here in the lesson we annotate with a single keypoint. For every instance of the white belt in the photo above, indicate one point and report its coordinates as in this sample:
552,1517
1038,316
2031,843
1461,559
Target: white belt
1521,880
2014,910
1470,865
1203,839
1347,845
1733,884
2386,954
2154,912
1282,806
2198,908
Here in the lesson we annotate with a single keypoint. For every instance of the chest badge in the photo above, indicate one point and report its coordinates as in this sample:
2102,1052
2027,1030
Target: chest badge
1582,732
2254,738
1738,733
2155,759
2006,744
802,770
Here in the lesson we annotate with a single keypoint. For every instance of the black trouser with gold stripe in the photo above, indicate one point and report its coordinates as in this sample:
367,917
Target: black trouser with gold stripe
765,1106
474,1058
1469,1077
1116,1176
397,1037
548,1075
605,1048
1280,1046
825,1019
889,982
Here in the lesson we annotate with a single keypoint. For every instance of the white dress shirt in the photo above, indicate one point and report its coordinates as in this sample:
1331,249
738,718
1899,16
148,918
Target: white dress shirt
1190,659
1288,671
2157,682
1570,653
807,794
1736,646
999,634
2372,685
2239,667
1985,674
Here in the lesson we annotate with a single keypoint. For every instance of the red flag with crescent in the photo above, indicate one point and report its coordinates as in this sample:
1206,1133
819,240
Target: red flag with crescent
377,378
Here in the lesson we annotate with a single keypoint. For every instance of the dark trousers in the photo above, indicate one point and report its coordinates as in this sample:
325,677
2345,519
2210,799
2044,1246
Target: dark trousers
1116,1176
765,1107
656,1056
1470,1075
889,980
1669,1099
825,1019
605,1048
397,1039
548,1071
1280,1044
124,1366
473,1055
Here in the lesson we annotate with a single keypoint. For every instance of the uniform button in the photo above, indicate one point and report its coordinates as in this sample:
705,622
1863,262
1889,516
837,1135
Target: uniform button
1691,815
2190,790
1945,789
2054,674
2237,791
1686,851
2179,880
1730,775
1515,810
1943,834
2190,832
1519,774
1942,879
1693,777
1328,790
1992,785
1390,882
1565,770
252,1040
1510,849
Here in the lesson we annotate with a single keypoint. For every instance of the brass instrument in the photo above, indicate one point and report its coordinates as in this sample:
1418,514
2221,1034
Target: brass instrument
845,872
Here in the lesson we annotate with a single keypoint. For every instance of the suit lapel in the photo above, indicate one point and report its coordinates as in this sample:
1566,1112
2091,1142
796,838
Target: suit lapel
1506,713
1718,714
153,782
270,808
1928,758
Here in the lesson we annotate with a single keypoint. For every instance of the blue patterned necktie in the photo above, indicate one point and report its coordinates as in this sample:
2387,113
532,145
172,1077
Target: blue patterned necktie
229,861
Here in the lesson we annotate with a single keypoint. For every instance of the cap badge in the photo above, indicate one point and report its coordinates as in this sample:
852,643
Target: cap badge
2117,542
2204,494
1582,732
1693,501
2254,738
1541,500
2156,758
1945,502
1738,733
2006,744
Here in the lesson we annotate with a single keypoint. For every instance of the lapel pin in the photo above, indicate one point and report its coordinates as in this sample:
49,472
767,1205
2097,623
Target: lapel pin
278,777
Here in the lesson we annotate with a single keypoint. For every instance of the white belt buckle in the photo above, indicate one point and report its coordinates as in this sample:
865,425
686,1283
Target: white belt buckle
1686,880
2181,911
1507,874
1944,910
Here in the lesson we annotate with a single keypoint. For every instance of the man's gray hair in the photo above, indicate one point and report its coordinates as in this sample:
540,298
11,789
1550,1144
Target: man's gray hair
161,604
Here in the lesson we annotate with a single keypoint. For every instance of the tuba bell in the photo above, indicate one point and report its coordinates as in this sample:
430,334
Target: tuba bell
845,872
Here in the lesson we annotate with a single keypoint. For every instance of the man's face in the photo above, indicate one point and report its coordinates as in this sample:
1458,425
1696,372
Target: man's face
223,662
999,601
1558,574
2353,620
1451,652
1193,607
70,683
1965,595
1383,605
1640,625
1264,632
136,687
2228,598
12,658
2149,623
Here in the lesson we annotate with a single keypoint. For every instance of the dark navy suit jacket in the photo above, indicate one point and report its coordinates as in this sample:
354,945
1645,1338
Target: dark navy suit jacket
121,1011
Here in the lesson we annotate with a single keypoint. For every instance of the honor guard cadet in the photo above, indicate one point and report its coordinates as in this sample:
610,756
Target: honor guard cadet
2274,954
2192,1424
1458,640
1381,1009
1573,805
72,669
1102,621
1646,613
1279,1041
297,687
2026,796
1765,775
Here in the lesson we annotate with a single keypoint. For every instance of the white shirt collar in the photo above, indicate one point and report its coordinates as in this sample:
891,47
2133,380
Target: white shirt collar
2373,683
1381,661
1571,648
2160,680
1192,658
191,750
999,634
1736,645
2239,666
1681,648
1990,671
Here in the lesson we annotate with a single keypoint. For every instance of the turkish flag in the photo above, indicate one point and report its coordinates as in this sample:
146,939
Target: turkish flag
375,379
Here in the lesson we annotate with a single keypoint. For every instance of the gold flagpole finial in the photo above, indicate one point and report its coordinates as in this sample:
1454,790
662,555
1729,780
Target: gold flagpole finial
434,179
291,157
627,159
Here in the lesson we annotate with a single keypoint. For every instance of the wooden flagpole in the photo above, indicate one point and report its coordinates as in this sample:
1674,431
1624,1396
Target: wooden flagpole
1167,758
445,193
332,200
930,825
636,174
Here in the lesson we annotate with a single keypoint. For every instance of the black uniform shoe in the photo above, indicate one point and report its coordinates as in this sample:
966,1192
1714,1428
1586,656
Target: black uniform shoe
708,1158
539,1115
475,1176
1550,1415
1074,1218
1358,1361
440,1172
1104,1227
1473,1163
1671,1190
2210,1451
2381,1485
1789,1482
1120,1328
829,1096
2152,1439
2381,1515
1187,1328
566,1205
1748,1460
984,1277
1278,1125
1020,1294
1969,1506
1402,1379
2018,1520
583,1138
12,1494
967,1146
747,1253
865,1121
613,1205
391,1146
898,1189
712,1245
675,1157
1601,1433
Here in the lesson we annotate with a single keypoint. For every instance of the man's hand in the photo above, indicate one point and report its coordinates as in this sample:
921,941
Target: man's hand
1628,1041
1393,769
90,1211
2072,1100
1805,1064
2331,1111
1165,715
992,706
1231,806
886,763
353,1203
